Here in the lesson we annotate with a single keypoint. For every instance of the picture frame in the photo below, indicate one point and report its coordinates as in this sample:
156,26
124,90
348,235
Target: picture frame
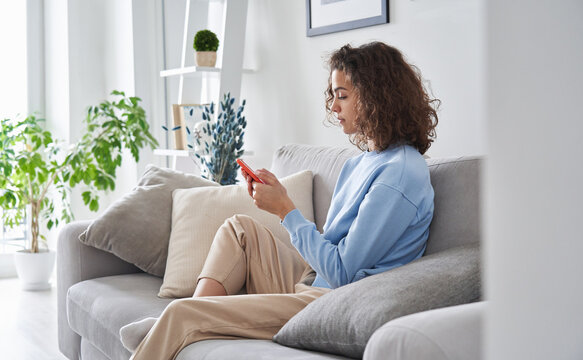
184,116
330,16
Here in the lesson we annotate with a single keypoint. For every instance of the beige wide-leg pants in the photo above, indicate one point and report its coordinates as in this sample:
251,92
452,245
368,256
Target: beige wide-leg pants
243,254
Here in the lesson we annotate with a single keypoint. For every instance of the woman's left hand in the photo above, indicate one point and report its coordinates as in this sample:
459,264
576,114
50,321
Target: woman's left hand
271,196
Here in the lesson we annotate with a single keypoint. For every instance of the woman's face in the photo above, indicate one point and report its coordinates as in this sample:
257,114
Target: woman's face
344,104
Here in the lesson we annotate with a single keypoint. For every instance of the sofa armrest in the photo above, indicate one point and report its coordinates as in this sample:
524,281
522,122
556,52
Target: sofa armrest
77,262
449,333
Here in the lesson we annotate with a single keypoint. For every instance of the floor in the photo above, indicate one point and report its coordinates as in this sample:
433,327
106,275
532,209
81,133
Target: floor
28,323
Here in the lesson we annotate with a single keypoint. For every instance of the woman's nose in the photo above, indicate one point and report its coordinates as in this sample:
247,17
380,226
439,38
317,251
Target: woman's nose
335,108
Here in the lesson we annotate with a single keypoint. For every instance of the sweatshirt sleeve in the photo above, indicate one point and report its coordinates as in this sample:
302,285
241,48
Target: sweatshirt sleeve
383,216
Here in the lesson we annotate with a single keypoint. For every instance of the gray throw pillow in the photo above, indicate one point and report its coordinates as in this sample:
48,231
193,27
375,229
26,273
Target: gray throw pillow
136,228
342,321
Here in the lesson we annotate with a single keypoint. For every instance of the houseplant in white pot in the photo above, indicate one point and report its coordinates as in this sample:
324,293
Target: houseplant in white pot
205,45
37,173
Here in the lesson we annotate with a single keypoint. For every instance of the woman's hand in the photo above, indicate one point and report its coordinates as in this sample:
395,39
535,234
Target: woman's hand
249,181
271,196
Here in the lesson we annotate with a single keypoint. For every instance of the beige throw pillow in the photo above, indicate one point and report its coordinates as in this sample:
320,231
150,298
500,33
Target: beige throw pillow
198,213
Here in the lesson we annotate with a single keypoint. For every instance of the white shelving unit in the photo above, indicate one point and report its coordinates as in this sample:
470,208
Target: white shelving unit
189,71
231,71
196,70
175,154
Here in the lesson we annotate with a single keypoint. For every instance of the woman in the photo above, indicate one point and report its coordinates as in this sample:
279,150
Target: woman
378,219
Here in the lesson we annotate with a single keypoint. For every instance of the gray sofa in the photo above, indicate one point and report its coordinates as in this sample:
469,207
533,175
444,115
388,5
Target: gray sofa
98,293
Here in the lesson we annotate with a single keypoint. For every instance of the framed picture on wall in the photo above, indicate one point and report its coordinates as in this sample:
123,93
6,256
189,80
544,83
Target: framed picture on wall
329,16
184,120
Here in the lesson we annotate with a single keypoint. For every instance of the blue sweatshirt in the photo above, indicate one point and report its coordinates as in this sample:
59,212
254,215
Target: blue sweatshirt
378,219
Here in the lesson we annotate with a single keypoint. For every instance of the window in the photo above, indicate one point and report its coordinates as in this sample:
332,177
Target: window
13,89
12,239
13,96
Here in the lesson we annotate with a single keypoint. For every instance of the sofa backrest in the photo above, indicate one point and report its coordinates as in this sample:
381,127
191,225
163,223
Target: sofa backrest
456,216
456,182
325,162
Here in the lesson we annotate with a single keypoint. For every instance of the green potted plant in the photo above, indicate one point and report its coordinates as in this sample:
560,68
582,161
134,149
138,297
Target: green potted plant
205,45
37,173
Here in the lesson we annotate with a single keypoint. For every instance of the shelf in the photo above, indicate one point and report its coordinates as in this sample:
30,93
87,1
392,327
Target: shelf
193,70
169,152
184,153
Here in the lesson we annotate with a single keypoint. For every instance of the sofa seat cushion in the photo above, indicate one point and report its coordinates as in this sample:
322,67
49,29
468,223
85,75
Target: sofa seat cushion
98,308
248,349
90,352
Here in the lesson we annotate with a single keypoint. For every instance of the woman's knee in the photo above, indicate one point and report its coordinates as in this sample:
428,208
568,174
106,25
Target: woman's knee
182,314
178,307
240,226
241,220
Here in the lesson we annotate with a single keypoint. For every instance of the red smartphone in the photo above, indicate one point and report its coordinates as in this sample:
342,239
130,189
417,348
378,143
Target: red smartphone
249,171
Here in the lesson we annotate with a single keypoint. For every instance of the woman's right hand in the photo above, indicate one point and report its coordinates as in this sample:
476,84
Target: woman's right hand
249,181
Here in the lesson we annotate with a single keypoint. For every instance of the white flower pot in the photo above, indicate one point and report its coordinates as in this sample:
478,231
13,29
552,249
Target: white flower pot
34,269
205,58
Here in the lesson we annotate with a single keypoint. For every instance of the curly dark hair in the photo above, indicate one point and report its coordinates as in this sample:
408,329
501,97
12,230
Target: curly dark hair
393,106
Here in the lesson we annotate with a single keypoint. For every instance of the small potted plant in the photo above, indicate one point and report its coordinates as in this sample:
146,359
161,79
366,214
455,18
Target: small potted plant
205,45
37,173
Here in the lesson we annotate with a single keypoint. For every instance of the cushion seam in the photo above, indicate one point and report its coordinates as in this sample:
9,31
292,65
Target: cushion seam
451,161
88,314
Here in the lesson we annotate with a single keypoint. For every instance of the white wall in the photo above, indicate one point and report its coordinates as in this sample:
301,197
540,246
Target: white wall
89,53
100,60
534,192
285,101
56,78
56,68
148,56
35,52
